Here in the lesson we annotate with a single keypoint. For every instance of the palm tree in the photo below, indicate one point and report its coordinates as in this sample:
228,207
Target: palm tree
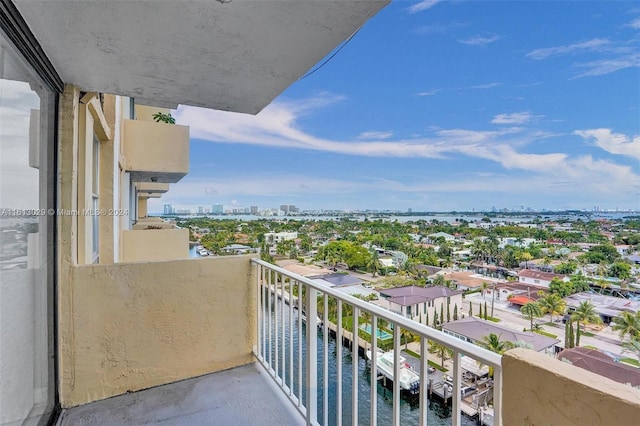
483,290
632,345
532,309
493,343
552,304
629,324
444,352
585,313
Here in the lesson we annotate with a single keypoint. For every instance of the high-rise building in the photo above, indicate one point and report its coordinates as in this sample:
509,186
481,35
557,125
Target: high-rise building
200,210
168,209
254,210
284,208
217,209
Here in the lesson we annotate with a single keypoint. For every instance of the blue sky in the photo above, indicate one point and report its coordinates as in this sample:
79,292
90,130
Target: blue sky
440,106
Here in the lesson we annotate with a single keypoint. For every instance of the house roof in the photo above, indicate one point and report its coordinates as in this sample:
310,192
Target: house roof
538,275
412,295
599,363
339,279
226,55
475,329
520,300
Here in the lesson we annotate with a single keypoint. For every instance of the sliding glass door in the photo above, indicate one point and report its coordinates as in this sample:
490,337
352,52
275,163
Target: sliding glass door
27,155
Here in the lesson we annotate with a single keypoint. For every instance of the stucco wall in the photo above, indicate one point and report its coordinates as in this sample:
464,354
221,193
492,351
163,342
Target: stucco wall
541,391
151,245
127,327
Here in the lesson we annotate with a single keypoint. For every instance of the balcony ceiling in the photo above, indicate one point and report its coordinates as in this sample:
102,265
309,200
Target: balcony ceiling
233,55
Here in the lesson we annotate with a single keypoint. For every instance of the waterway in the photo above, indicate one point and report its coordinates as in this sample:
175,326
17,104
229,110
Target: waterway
438,414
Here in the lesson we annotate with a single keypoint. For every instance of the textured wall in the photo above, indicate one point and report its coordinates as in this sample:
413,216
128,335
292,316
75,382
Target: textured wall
127,327
540,391
152,245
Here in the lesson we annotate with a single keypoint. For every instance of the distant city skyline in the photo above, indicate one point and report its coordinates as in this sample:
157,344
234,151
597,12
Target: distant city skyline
454,106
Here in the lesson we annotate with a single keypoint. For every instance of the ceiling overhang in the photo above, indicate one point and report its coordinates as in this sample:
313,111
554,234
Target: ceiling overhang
232,55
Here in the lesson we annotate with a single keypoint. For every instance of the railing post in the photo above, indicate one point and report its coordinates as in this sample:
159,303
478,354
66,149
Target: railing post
497,395
312,356
424,377
456,397
355,344
396,374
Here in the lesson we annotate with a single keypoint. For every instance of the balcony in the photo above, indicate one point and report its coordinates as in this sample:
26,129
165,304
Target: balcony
148,324
155,242
155,152
152,187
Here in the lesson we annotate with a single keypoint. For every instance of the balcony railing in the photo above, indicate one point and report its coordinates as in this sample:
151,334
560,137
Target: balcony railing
289,349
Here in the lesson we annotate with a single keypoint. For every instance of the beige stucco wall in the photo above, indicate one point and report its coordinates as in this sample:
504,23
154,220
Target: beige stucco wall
142,207
145,113
538,390
127,327
156,152
150,245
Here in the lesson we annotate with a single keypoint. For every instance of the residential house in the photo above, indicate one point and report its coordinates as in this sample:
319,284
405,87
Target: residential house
475,330
422,303
539,278
601,364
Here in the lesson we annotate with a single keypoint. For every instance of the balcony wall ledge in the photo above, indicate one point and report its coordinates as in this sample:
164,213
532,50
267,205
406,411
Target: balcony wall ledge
538,390
132,326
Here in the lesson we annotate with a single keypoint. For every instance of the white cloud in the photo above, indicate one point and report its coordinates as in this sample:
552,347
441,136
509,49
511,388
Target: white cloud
422,5
607,66
614,143
635,24
375,135
513,118
277,126
590,45
479,40
455,89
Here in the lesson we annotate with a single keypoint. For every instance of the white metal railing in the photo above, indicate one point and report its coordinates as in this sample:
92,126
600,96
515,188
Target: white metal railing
280,317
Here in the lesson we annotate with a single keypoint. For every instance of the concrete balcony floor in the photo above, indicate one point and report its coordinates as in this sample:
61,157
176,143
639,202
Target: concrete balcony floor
242,396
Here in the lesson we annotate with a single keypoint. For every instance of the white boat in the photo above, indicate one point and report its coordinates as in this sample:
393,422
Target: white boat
409,379
203,252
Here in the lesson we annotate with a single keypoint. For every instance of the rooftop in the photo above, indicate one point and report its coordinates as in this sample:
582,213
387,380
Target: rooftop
475,329
599,363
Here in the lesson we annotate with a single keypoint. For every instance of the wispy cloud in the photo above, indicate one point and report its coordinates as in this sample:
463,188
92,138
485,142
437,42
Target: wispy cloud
513,118
479,40
614,143
375,135
590,45
635,24
422,5
607,66
476,87
438,27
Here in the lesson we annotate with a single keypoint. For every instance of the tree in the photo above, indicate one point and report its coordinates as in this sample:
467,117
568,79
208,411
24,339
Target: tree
531,309
485,310
620,270
561,288
435,320
444,352
525,257
484,288
627,323
441,312
480,311
585,313
455,312
632,345
470,309
566,268
448,312
552,304
493,343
